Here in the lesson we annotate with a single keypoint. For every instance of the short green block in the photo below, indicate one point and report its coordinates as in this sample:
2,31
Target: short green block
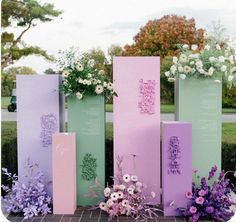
86,118
199,101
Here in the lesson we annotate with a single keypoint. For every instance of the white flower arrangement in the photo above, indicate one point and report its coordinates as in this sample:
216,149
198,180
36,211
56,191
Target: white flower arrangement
214,60
81,79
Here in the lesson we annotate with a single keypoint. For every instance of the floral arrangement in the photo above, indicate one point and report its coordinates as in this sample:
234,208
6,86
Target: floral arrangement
29,197
214,60
211,201
81,78
128,198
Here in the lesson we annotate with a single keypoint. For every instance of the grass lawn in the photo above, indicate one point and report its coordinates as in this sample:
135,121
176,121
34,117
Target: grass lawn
165,108
228,131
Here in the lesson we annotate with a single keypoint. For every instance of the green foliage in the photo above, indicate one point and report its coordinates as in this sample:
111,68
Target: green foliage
50,71
9,76
26,14
89,167
167,88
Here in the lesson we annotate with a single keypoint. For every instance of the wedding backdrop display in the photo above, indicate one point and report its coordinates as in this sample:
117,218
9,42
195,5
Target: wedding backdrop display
64,173
199,101
38,118
137,119
198,74
176,165
87,118
86,89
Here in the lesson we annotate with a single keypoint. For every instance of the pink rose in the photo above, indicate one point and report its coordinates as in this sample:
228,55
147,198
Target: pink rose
202,193
200,200
189,195
193,210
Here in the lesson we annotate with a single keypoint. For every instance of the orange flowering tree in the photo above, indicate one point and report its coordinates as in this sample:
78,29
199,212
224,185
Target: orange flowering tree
162,36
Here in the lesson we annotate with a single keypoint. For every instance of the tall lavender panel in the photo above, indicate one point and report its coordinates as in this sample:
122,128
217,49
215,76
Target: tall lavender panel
176,165
39,116
137,119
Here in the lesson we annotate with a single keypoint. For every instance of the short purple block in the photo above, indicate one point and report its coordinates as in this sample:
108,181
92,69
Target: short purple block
176,165
39,116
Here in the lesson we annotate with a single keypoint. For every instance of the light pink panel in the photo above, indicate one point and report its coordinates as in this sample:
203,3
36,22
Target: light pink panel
64,173
137,119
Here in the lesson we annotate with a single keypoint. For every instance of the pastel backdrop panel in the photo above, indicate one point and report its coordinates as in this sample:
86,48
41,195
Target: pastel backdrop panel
176,165
137,119
199,101
87,119
64,173
38,117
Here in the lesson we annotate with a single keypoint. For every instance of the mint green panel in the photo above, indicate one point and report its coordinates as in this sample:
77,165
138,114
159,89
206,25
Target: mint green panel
87,119
199,101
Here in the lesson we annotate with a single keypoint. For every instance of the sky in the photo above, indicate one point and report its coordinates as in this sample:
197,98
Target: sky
89,23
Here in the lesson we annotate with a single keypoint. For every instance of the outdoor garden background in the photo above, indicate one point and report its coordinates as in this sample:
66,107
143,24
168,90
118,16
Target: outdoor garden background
158,35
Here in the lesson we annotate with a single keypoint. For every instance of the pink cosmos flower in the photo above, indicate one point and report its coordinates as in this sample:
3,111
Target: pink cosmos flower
200,200
202,193
193,210
189,195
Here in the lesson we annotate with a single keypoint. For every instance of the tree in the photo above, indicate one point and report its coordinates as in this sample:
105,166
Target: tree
50,71
161,37
9,75
25,14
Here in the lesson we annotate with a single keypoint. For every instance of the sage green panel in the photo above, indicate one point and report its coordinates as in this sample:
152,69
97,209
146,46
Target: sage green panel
199,101
87,119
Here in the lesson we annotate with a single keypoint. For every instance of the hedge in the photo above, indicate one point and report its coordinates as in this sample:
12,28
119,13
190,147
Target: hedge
9,157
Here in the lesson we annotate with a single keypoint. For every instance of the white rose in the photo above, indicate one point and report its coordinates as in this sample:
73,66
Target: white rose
173,69
182,76
185,46
99,89
207,47
171,79
230,78
65,73
206,35
194,47
210,71
223,68
180,69
175,60
79,67
110,86
221,58
212,59
167,74
79,95
183,58
187,69
91,63
218,47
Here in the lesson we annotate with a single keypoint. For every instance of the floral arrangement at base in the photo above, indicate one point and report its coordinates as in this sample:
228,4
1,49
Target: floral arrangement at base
126,198
81,78
29,197
210,201
215,60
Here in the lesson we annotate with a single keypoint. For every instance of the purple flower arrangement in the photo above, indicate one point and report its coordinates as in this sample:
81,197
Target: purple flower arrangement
210,201
28,197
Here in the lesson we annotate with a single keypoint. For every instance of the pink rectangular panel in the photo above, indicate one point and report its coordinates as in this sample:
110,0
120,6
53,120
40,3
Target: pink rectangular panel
137,119
176,165
64,173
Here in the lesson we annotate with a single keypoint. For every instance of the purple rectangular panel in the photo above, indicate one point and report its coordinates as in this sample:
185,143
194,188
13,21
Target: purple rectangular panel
137,119
176,165
38,117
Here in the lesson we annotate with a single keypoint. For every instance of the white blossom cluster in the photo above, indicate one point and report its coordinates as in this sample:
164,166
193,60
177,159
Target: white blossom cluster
213,60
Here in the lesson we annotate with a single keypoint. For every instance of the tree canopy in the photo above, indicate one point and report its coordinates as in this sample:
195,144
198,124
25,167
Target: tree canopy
24,14
162,36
